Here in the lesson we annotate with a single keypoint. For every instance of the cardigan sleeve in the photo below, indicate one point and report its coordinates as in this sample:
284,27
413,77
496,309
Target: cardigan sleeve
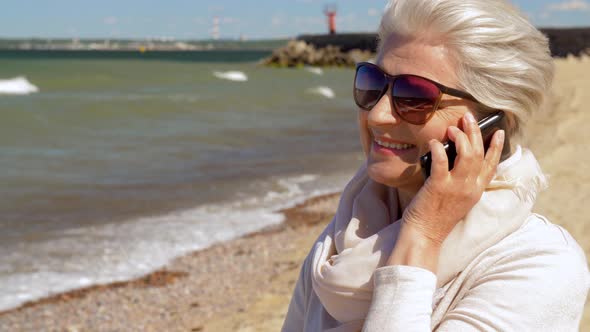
402,299
526,290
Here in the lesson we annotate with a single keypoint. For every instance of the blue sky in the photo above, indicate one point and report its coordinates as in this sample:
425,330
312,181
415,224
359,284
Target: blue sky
260,19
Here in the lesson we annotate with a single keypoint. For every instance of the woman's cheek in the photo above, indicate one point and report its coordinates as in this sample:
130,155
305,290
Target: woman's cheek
365,137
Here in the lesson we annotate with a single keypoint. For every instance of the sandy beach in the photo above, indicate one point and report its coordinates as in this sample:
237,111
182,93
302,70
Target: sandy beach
246,284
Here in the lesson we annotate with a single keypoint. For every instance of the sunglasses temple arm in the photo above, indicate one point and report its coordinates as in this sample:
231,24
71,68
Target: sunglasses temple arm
458,93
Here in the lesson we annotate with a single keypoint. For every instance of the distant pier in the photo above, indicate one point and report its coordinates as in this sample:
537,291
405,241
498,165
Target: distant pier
563,41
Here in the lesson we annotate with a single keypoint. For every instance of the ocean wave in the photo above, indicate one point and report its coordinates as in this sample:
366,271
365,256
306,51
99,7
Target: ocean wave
315,70
122,251
232,75
17,86
323,91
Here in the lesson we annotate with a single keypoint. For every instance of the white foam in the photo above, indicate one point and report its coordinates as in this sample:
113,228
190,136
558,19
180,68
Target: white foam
322,91
315,70
121,251
117,252
17,86
232,75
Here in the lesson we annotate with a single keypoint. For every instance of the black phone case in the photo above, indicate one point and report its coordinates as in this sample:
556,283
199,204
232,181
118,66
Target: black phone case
488,127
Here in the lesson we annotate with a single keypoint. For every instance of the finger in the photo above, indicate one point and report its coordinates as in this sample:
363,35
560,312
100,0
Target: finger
493,156
474,133
440,163
462,167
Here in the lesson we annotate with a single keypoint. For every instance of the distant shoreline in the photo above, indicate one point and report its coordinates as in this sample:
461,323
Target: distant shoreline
563,41
147,45
231,55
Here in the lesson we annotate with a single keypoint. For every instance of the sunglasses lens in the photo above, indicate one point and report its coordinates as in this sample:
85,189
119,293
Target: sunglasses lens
414,98
369,85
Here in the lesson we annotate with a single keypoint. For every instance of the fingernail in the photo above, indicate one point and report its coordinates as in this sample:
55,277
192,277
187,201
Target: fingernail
501,136
469,117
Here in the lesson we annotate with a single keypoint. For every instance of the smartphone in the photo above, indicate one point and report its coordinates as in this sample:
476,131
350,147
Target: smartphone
488,127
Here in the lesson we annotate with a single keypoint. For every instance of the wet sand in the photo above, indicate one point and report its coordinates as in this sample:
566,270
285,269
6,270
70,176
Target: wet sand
246,284
207,290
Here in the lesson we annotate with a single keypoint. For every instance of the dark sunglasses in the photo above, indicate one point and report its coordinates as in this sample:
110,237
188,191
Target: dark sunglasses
414,98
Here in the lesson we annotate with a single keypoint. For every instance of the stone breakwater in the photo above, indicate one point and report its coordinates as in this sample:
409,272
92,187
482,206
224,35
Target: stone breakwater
298,53
348,49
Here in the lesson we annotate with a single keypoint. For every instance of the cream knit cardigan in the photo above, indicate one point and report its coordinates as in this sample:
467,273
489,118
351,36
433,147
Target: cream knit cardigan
502,268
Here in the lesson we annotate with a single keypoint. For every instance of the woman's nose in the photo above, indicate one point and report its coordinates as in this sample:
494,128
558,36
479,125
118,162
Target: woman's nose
382,113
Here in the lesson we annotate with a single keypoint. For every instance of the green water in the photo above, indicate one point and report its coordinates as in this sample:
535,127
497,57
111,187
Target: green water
107,143
115,122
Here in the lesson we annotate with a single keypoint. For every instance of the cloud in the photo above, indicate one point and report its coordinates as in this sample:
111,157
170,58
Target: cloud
346,19
216,8
304,21
73,31
373,12
277,21
110,20
572,5
200,21
229,20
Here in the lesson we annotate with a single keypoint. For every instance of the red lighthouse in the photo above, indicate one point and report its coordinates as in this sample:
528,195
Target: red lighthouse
330,12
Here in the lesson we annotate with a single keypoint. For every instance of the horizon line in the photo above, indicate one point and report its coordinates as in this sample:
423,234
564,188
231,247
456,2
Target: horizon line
237,38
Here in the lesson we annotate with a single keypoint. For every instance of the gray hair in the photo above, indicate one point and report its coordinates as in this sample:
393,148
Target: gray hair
501,58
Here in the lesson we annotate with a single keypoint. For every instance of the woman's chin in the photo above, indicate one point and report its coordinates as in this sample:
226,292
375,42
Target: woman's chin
396,176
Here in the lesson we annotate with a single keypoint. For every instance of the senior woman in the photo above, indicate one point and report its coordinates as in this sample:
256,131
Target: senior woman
460,250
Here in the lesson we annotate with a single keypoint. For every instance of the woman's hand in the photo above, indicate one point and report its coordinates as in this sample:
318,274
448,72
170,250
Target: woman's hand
447,196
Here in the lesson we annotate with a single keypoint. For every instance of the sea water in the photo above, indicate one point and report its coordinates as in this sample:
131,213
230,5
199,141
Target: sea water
112,167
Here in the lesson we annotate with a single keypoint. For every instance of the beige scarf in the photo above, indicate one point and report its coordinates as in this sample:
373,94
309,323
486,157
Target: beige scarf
363,232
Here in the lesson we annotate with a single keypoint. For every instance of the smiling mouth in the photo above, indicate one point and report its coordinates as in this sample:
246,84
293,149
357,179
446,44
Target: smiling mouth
397,146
